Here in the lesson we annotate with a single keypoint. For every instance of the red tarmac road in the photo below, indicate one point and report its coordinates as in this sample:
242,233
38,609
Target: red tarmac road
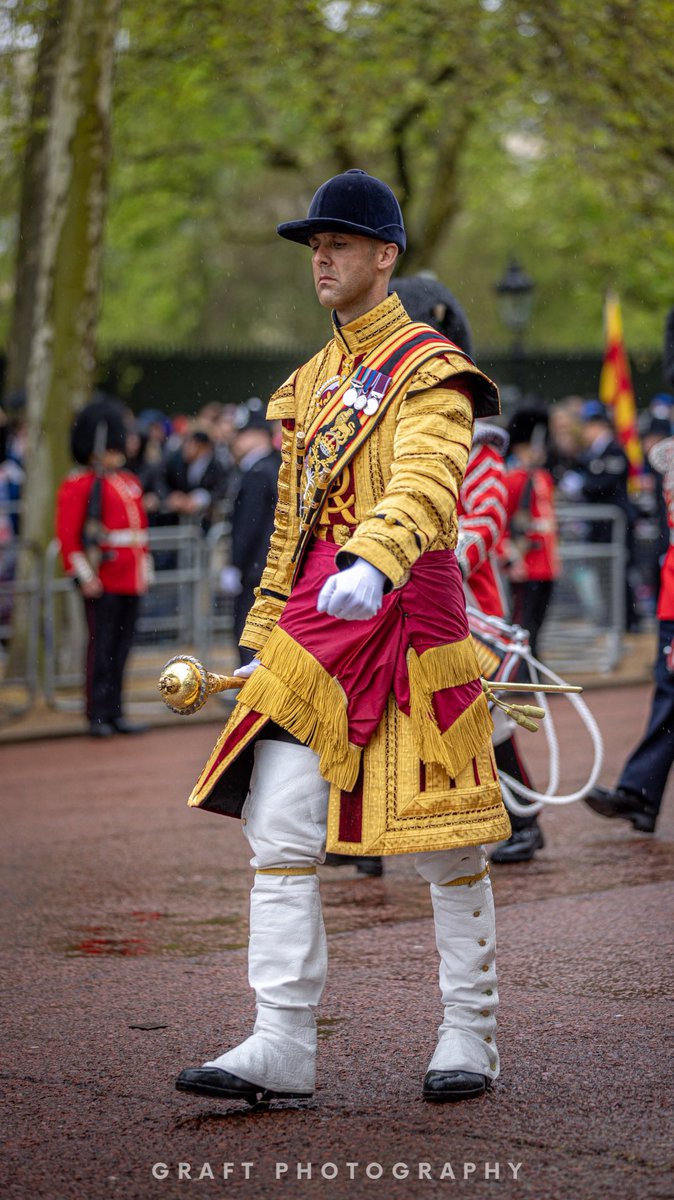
124,932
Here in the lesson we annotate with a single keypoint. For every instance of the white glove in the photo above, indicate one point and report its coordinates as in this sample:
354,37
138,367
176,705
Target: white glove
571,485
247,670
354,594
230,581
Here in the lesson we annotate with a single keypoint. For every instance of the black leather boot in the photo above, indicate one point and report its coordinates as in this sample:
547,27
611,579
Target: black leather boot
614,802
211,1081
442,1087
521,845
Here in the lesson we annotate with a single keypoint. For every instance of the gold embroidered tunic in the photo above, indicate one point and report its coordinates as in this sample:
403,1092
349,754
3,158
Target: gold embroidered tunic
412,787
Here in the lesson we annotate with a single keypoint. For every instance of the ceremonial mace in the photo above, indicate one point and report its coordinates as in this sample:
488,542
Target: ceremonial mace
185,684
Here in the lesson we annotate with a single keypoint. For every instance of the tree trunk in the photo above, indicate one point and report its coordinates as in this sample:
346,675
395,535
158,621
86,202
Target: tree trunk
68,186
32,206
443,199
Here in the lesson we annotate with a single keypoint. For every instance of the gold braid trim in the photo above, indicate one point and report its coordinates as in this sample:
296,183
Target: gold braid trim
487,659
262,616
299,694
469,879
438,668
291,871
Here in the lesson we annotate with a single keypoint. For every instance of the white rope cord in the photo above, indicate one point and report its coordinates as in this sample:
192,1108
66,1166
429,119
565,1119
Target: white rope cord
514,788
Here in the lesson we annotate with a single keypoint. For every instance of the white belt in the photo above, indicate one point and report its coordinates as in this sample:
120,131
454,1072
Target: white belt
125,537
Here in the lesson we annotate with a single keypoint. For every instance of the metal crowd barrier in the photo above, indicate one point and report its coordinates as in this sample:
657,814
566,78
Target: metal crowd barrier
586,618
220,608
182,610
185,610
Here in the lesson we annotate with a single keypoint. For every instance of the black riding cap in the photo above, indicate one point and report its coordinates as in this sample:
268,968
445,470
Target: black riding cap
354,202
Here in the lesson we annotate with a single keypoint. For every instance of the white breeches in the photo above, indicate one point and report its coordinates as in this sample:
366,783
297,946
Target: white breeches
284,820
285,815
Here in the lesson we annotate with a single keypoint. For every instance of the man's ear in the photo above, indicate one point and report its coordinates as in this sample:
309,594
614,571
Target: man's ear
388,253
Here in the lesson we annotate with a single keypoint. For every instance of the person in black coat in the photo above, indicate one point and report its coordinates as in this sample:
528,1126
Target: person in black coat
601,477
252,517
192,481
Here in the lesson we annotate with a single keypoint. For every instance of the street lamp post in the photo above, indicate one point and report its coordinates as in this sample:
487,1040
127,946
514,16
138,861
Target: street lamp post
515,298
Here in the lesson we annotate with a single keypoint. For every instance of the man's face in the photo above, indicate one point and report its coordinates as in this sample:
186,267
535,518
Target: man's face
349,271
251,439
113,460
591,430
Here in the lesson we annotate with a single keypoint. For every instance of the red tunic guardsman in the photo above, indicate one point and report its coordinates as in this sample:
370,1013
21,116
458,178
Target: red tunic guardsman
529,549
102,527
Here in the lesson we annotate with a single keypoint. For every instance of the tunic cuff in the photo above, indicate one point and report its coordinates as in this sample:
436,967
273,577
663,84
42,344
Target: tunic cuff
385,553
262,618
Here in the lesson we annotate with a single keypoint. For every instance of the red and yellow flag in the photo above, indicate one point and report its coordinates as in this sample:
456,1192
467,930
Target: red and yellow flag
615,385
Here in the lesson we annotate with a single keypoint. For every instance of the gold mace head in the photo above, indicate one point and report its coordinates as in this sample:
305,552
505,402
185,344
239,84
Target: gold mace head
183,684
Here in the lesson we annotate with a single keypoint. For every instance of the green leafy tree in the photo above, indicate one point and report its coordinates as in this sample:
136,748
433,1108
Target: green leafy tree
535,129
503,127
59,265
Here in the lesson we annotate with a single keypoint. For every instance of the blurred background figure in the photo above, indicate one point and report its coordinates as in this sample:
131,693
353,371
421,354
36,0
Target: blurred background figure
11,484
156,428
565,442
651,531
207,418
252,516
529,551
426,299
637,797
140,459
601,477
662,405
102,527
224,435
192,481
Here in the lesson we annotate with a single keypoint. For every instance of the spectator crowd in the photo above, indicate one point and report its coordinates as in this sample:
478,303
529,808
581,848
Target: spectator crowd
222,462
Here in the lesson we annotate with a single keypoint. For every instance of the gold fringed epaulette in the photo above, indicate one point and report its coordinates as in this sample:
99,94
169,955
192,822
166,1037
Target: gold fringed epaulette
281,405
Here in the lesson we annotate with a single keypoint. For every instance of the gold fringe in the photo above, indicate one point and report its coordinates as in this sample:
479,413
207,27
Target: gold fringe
449,665
441,667
299,694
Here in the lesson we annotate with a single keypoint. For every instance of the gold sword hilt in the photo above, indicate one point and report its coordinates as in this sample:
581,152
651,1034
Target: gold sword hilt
185,684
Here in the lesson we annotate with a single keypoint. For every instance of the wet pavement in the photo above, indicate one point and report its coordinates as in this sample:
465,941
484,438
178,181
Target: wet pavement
124,931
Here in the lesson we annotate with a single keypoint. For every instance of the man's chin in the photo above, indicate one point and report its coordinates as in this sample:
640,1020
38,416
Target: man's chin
325,297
